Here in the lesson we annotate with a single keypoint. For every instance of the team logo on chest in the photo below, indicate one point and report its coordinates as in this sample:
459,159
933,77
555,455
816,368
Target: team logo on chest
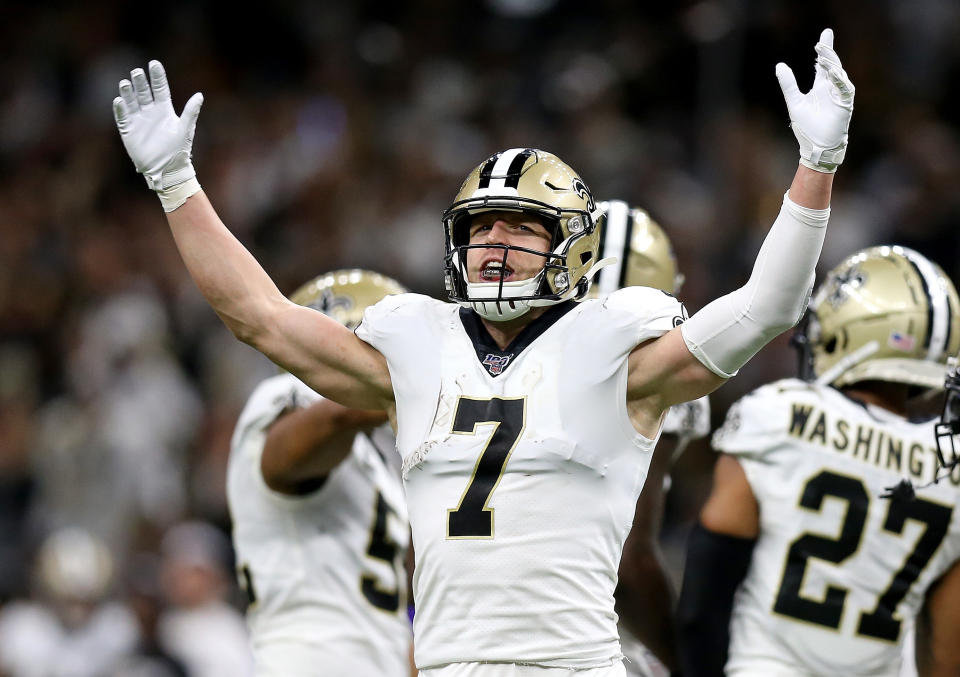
495,364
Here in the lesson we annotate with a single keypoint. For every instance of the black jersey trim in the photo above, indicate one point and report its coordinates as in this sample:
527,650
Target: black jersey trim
625,254
495,360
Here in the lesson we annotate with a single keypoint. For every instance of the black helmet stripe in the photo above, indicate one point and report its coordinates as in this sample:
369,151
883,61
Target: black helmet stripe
487,171
938,304
503,169
615,242
513,171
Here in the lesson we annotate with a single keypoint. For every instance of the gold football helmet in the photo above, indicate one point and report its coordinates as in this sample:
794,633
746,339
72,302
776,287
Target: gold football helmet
537,182
345,294
884,314
644,254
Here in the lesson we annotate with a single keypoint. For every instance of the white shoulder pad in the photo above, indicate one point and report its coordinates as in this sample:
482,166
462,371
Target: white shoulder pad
268,400
759,421
390,314
650,311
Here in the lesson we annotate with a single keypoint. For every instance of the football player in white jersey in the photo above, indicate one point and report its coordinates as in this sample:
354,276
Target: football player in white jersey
319,520
830,566
645,598
525,421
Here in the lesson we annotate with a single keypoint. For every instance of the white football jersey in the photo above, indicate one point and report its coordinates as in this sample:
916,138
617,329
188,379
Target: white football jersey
521,470
325,571
838,573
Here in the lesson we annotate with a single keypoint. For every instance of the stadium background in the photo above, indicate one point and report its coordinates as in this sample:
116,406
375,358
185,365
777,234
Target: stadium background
333,135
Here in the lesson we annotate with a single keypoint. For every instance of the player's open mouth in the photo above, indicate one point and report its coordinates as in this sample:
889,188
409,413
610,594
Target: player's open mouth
494,271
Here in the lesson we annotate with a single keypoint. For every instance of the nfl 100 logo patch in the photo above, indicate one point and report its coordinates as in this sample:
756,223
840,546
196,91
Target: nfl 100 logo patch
495,364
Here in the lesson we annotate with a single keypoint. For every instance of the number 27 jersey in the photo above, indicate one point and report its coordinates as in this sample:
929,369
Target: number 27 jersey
521,471
838,573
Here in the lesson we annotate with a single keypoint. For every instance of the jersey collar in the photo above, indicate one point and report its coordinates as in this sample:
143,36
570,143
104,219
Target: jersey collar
495,360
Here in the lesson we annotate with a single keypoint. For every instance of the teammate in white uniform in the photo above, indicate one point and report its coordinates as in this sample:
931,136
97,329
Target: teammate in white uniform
525,422
839,569
319,520
644,594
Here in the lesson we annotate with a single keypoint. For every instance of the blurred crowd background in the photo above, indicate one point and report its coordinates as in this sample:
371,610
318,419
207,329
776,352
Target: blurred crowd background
333,135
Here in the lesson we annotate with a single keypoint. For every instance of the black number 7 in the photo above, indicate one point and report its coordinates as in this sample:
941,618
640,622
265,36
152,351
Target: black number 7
472,518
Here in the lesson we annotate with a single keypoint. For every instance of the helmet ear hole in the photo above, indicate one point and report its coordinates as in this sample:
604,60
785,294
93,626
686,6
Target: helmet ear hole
830,345
585,256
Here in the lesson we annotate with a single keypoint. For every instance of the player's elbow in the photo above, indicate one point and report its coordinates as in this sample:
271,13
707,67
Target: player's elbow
774,314
256,326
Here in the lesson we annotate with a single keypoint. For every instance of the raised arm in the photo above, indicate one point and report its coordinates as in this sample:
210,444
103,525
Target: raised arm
304,445
320,351
711,346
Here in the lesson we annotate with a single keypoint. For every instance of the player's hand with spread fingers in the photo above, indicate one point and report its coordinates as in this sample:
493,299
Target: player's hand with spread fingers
821,117
157,140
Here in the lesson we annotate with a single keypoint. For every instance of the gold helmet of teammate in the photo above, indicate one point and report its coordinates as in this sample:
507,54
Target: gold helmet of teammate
345,294
884,314
644,253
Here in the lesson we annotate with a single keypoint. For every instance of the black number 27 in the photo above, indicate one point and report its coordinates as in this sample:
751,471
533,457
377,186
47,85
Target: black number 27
879,623
472,518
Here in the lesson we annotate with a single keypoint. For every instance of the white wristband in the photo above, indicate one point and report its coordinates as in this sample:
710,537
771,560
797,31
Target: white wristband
175,196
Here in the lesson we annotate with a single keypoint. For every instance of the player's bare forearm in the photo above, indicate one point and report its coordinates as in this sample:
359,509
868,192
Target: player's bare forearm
228,276
320,351
304,445
811,189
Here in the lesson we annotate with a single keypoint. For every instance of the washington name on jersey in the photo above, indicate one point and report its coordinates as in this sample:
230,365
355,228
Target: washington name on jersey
521,470
838,573
324,572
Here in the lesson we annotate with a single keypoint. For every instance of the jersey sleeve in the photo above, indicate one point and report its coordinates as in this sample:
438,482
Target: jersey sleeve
647,312
268,400
377,319
394,325
755,424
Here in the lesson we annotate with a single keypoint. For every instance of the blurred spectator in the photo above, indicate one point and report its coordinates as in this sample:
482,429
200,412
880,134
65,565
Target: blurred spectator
19,398
200,627
111,449
143,593
71,627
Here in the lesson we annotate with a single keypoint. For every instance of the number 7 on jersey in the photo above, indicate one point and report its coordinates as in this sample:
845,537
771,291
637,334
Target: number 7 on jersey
472,518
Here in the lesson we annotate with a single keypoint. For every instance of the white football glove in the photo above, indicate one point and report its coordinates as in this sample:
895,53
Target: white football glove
820,118
158,142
